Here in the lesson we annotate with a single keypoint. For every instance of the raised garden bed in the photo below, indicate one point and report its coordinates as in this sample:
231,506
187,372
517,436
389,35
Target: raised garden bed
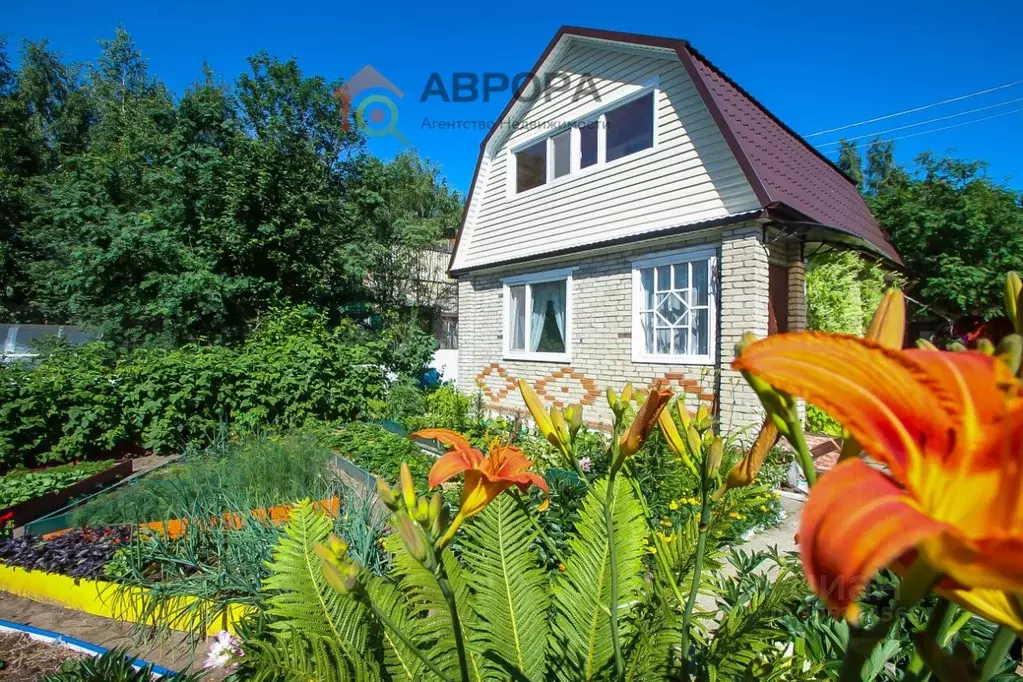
28,510
110,600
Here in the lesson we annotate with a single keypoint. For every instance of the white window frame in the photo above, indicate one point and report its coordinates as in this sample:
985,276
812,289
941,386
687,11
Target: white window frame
639,351
597,116
565,275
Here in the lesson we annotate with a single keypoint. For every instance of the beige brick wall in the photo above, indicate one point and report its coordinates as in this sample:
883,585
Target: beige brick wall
601,331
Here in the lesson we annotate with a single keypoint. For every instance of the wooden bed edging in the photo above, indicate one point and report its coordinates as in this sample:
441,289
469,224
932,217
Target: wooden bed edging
30,510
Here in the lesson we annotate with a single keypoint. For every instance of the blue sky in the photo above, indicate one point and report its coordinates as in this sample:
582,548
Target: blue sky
815,65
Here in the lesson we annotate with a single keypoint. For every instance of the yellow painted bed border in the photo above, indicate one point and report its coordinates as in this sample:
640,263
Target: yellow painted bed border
102,598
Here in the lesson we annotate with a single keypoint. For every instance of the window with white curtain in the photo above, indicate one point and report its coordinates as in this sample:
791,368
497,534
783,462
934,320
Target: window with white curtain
674,307
538,316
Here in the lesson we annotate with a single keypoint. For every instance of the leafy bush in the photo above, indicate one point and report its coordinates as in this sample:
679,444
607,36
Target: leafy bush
87,400
21,486
819,421
445,408
842,292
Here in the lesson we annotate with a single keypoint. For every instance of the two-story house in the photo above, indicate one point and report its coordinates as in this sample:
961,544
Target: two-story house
630,223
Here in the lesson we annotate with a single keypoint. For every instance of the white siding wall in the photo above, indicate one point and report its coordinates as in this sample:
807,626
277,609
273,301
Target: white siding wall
690,176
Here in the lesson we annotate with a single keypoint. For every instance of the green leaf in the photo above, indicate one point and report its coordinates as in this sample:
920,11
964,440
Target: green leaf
581,645
511,599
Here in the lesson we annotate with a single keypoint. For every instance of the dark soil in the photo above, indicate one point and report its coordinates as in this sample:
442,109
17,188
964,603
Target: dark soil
26,660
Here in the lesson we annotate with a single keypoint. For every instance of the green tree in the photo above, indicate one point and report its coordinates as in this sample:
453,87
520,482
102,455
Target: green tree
165,221
851,162
958,232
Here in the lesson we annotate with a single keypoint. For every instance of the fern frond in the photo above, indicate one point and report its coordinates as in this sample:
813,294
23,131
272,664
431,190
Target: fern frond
510,589
430,621
300,600
752,605
289,657
400,662
652,654
581,647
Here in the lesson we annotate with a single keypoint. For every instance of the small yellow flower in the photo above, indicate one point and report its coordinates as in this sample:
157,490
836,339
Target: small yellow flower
561,567
666,523
673,505
763,507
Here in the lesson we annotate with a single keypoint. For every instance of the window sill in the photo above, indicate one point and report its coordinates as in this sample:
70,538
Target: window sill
647,358
539,357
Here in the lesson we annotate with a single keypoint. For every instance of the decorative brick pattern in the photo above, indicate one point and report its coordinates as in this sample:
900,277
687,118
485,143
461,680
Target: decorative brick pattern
558,388
504,383
601,343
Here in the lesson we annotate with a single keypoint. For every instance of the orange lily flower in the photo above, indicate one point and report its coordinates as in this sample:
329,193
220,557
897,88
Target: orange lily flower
485,477
949,427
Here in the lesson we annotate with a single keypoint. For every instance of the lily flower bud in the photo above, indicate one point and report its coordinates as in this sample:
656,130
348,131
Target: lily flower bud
644,422
746,470
386,495
612,399
543,422
627,393
674,440
714,455
1010,351
683,413
985,346
694,442
408,489
702,418
422,512
337,545
412,535
1014,300
888,326
560,427
574,416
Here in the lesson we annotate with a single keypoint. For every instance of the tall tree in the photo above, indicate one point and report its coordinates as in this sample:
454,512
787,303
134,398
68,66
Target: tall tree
851,162
958,232
880,163
163,221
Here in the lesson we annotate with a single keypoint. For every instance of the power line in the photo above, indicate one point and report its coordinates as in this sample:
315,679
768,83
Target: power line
954,125
915,109
930,120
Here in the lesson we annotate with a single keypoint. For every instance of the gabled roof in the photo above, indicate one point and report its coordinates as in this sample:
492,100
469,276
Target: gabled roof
793,181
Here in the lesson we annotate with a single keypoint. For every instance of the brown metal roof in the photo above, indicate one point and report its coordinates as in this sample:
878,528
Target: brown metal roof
789,170
793,181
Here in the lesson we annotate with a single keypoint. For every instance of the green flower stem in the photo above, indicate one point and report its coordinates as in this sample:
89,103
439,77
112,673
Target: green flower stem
551,546
449,596
694,588
613,555
390,625
997,652
798,441
937,628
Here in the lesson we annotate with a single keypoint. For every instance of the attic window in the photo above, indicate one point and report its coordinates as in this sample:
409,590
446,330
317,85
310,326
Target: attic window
531,166
630,128
617,131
